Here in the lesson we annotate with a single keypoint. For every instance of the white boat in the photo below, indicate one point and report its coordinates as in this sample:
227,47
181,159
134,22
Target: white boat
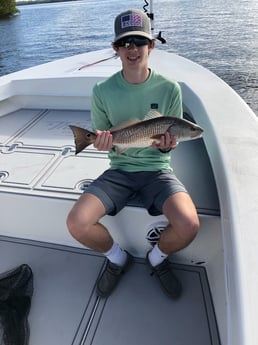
41,178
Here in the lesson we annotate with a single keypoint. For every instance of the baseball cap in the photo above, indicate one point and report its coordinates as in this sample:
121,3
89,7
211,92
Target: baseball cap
132,22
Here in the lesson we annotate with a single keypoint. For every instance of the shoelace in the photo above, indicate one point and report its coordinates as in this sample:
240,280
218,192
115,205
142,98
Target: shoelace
162,269
114,269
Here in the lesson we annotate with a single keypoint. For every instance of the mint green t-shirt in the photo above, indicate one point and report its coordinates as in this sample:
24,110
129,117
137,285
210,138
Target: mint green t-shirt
114,101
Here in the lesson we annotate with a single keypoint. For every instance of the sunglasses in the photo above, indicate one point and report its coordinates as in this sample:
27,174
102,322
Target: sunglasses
127,41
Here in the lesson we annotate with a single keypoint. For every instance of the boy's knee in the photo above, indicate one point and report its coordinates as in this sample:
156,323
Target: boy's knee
71,223
192,227
74,224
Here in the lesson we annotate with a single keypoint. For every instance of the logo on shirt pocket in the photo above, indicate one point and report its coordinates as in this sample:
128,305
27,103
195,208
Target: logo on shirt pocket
154,106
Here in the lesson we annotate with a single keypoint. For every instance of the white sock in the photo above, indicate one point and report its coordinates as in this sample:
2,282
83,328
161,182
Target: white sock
156,256
116,255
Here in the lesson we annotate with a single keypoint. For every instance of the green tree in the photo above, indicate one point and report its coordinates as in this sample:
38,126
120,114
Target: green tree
7,8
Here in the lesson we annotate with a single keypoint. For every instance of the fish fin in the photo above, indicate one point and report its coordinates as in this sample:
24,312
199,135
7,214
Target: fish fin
152,114
125,124
120,149
82,138
156,137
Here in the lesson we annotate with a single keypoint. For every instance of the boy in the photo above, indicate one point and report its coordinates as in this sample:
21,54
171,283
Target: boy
130,93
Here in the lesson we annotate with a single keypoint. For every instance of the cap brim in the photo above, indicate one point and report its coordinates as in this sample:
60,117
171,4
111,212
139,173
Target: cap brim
133,33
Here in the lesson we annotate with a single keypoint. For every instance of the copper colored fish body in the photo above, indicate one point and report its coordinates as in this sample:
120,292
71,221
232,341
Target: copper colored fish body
141,133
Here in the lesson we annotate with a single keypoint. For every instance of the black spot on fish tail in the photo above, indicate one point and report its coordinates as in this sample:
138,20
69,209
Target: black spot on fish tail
82,138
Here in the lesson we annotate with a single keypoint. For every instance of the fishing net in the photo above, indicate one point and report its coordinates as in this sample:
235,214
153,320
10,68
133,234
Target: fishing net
16,289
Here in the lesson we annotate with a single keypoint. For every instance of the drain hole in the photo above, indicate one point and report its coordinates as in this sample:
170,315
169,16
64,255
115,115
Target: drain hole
3,175
13,147
84,184
65,151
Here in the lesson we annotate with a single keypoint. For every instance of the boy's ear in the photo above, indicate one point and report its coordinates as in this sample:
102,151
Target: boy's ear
115,47
152,45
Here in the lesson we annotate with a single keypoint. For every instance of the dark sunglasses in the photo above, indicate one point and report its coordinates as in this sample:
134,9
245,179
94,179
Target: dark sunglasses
127,41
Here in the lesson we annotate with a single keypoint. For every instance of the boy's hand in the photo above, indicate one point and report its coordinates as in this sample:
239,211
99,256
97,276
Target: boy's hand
167,142
104,140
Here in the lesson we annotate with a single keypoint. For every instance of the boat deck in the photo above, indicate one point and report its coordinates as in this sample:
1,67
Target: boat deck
37,157
65,309
40,178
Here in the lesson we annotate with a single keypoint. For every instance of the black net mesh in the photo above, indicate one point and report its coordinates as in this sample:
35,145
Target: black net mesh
16,289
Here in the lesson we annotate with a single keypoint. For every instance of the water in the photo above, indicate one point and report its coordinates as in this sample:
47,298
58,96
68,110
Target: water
221,35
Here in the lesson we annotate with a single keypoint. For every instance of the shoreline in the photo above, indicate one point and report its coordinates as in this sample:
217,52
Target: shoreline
35,2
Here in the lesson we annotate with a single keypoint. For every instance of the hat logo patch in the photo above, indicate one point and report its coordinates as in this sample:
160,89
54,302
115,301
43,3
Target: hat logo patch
131,19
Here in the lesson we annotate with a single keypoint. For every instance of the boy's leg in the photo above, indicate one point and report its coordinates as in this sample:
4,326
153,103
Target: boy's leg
180,232
183,223
83,224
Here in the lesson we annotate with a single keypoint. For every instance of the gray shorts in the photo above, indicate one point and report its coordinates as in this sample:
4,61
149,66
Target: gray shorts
115,188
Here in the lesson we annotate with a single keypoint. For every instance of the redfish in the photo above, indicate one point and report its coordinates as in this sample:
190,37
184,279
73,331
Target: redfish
141,133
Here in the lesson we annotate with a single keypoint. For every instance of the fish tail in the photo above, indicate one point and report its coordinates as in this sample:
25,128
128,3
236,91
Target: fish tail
82,138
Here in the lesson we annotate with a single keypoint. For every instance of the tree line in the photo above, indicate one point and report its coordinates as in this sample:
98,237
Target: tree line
7,8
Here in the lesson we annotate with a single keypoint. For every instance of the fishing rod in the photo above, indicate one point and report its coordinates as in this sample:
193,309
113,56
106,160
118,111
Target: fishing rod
150,14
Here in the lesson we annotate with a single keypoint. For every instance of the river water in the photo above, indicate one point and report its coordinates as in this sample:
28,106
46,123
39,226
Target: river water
221,35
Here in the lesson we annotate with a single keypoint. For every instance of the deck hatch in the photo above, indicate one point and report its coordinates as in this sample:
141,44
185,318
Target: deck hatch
52,130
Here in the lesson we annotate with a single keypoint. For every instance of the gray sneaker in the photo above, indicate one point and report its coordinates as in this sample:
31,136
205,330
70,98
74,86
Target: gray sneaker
111,276
168,281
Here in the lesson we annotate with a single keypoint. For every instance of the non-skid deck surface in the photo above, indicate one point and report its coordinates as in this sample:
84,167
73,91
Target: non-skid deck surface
37,156
65,309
